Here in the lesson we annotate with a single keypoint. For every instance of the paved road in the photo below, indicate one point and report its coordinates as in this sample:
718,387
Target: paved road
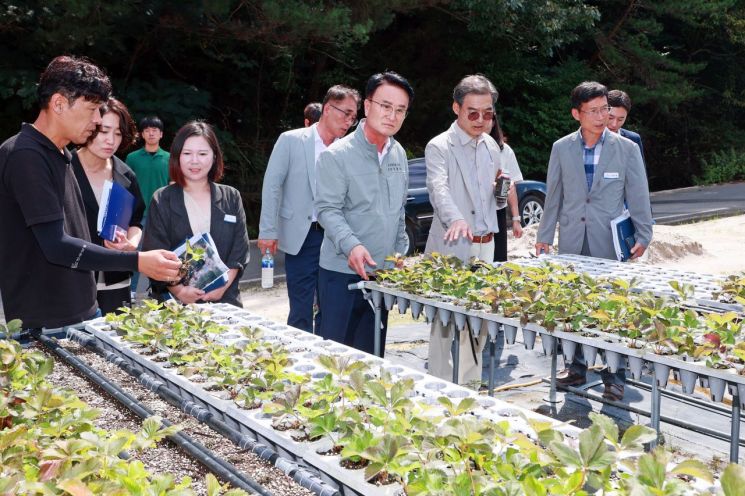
676,206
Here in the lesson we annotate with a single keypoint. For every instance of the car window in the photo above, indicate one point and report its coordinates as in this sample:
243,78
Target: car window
417,174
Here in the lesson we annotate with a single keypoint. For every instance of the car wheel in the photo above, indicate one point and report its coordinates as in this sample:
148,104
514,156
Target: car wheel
410,235
531,210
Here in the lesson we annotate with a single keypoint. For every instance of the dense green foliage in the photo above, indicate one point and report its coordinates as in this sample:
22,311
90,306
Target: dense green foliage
250,66
49,444
375,421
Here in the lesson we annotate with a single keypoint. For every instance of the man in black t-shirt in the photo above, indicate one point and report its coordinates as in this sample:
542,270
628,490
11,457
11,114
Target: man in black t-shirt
46,257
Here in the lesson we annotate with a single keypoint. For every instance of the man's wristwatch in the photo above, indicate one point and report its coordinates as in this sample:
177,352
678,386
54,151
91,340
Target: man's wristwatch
515,217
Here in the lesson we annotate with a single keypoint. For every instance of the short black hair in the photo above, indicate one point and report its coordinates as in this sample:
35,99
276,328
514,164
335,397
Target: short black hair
586,91
151,121
73,77
618,98
312,112
392,78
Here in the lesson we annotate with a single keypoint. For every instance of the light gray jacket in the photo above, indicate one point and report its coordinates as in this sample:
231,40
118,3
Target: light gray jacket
360,201
619,174
451,195
288,190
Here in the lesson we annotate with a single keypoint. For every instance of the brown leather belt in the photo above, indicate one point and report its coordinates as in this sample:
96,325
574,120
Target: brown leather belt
483,239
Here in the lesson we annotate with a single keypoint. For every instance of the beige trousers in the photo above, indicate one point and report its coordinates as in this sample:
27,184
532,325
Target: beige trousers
441,337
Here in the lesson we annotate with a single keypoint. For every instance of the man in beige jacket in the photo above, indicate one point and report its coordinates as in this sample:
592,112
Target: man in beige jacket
462,165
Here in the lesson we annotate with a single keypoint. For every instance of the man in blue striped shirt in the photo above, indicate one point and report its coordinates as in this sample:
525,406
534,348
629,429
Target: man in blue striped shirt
584,199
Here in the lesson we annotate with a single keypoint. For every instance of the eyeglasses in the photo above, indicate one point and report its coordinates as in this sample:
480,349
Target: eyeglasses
388,109
348,115
597,112
487,115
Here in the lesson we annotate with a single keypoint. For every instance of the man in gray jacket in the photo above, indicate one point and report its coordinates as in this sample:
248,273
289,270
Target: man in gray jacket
590,173
462,165
361,192
288,220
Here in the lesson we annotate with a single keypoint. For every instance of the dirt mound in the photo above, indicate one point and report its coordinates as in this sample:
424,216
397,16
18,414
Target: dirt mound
668,244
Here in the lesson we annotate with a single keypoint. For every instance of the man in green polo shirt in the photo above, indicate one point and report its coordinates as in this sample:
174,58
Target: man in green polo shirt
150,163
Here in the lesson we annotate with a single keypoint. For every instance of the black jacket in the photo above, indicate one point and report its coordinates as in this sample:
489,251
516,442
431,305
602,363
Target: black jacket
123,175
168,228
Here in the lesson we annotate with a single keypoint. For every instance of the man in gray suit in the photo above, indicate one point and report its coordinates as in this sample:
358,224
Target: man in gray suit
462,165
590,173
288,219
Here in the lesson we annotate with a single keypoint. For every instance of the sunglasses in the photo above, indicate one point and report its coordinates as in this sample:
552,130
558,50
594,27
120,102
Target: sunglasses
487,115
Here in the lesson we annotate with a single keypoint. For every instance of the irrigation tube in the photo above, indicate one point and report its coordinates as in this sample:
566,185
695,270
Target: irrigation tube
302,476
218,466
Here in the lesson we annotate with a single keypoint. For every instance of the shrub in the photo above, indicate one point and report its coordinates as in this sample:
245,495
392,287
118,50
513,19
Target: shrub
722,167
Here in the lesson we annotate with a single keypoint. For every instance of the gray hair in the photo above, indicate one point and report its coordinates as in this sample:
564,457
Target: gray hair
477,84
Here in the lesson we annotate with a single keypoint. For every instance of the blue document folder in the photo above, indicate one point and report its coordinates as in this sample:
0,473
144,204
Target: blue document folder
624,235
115,211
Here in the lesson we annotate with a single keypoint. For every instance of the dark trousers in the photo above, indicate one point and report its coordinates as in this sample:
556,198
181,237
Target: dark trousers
110,300
347,317
302,281
500,238
579,365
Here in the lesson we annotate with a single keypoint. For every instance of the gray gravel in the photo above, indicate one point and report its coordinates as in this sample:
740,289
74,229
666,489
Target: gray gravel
166,457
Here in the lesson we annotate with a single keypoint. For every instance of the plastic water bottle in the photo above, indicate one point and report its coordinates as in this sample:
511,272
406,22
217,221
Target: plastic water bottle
502,189
267,270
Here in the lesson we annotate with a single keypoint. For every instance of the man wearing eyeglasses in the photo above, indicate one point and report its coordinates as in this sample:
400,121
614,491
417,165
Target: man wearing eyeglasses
590,173
462,164
288,220
362,186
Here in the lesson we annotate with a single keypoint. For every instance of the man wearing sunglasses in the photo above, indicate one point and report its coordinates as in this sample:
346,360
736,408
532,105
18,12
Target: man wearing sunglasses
462,165
590,173
288,220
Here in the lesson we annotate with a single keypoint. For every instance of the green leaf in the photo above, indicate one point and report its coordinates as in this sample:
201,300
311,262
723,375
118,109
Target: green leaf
636,435
733,480
694,468
590,442
651,472
566,455
213,486
607,425
533,487
377,392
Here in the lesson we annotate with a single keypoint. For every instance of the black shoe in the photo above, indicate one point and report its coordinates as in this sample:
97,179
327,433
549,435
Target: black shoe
613,392
568,378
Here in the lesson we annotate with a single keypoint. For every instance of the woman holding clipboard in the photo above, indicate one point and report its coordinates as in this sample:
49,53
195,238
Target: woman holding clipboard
93,165
196,204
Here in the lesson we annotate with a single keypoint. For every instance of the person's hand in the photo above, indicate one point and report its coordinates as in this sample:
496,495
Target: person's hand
121,243
541,248
186,294
161,265
517,229
263,244
458,229
637,251
216,294
358,258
